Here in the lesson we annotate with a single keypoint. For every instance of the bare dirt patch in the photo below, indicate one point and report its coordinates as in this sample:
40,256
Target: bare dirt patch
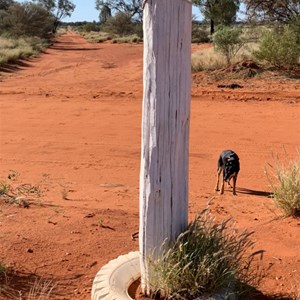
70,124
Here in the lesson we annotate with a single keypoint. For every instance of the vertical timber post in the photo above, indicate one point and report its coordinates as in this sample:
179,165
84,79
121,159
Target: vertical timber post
165,127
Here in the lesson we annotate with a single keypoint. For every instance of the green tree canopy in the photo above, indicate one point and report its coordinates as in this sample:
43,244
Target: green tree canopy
218,11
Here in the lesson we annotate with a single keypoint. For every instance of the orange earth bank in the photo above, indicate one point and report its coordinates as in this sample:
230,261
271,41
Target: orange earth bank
70,135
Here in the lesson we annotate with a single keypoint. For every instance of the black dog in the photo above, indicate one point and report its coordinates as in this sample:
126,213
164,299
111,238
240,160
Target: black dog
230,164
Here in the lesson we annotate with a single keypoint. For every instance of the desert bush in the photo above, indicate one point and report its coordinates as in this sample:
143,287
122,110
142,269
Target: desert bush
253,33
3,26
279,48
28,19
295,27
96,37
286,189
199,35
120,24
90,26
227,40
127,39
205,259
209,59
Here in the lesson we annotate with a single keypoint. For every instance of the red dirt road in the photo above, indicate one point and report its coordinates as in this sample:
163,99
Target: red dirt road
70,126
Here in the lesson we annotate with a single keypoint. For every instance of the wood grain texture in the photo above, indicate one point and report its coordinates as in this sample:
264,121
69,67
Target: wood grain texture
165,126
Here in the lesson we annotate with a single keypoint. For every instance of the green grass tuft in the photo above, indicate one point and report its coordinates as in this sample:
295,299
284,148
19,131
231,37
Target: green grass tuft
205,259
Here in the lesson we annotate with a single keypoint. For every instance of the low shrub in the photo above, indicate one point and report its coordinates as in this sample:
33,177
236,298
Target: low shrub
28,19
205,259
96,37
279,48
120,24
127,39
286,189
227,40
199,34
90,26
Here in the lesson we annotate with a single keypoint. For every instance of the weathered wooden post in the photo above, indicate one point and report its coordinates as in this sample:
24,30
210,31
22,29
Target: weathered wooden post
165,126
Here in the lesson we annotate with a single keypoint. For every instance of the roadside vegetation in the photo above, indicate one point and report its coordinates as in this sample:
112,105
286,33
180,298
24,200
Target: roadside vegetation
285,183
13,49
271,46
27,28
268,36
205,260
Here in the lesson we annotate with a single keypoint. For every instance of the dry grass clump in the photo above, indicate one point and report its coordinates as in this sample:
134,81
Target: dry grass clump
19,48
127,39
209,59
96,37
41,290
21,194
286,188
100,37
208,258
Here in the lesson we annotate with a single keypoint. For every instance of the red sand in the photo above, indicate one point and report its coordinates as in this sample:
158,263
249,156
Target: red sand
70,123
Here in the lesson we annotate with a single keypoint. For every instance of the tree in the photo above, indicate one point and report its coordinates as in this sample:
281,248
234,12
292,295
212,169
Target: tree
105,14
282,11
131,7
218,11
58,8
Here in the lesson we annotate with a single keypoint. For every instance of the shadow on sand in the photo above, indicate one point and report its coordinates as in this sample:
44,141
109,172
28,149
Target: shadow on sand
253,192
14,66
17,284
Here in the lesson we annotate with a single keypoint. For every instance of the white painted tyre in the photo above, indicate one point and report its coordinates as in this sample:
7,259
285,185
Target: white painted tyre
113,279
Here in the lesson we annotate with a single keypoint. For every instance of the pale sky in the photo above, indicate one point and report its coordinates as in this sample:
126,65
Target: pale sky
85,11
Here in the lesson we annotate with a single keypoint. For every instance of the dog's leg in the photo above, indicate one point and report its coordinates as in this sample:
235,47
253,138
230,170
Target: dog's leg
234,184
218,178
223,182
222,187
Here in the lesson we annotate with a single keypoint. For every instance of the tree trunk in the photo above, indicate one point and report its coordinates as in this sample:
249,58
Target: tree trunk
212,26
165,127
